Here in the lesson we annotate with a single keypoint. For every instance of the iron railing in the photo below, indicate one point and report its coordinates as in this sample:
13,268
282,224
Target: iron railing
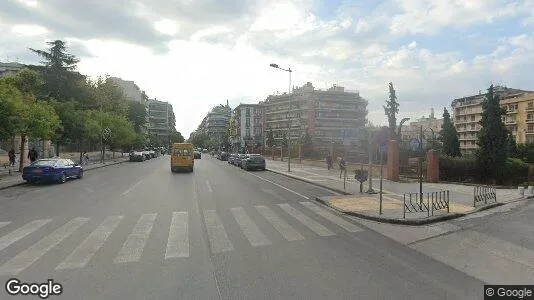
416,202
484,193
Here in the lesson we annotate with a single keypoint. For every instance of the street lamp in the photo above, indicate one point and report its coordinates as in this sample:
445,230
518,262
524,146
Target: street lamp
421,158
289,119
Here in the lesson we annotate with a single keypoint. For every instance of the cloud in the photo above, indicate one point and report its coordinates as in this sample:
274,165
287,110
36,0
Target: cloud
197,54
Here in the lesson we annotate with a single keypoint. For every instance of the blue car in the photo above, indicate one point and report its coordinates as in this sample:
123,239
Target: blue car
52,169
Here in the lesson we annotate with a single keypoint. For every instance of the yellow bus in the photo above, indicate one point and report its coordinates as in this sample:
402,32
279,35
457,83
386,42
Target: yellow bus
182,157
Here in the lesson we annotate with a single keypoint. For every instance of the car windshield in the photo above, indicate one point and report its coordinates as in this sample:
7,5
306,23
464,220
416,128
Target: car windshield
45,163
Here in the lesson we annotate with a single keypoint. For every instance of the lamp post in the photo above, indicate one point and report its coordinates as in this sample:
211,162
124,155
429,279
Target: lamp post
421,159
289,118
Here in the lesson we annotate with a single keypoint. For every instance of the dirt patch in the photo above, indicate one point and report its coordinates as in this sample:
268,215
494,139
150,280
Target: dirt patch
364,204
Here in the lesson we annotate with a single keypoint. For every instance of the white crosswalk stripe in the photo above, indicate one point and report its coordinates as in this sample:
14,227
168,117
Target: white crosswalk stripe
348,226
306,221
279,224
178,242
135,243
32,254
2,224
85,251
217,236
21,232
249,228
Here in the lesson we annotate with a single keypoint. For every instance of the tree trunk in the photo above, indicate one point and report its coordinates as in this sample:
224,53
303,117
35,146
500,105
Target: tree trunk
22,156
57,148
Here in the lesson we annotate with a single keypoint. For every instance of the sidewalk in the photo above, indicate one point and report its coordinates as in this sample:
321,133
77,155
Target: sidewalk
7,181
364,205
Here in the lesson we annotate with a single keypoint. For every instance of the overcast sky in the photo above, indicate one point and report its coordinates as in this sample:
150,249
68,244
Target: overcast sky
198,53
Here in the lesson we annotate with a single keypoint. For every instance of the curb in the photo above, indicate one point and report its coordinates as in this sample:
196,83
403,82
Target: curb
98,167
416,222
339,191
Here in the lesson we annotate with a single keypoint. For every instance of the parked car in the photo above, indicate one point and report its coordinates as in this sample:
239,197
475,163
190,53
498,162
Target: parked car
152,153
204,150
52,169
137,156
253,161
198,155
238,159
224,156
231,158
146,154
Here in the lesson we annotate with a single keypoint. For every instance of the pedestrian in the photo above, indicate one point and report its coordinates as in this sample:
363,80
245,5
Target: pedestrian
11,155
342,166
33,154
85,158
329,161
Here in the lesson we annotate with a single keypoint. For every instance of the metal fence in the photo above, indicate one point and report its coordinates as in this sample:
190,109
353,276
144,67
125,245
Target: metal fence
435,201
484,193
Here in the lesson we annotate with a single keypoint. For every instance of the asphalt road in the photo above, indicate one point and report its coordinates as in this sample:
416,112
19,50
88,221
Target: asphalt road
138,231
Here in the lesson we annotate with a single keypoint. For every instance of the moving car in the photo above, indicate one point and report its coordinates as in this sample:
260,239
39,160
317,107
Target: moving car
253,161
52,169
182,157
137,156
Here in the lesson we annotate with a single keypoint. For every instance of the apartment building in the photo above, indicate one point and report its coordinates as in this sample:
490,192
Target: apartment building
431,128
330,116
467,113
161,120
10,68
519,118
249,125
130,89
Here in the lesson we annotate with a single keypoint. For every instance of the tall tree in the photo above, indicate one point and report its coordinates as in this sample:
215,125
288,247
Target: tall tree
392,109
270,138
58,64
137,115
449,136
513,150
492,138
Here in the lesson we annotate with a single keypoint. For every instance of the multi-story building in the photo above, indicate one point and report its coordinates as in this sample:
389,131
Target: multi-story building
519,118
10,68
431,128
249,125
467,113
161,120
217,122
130,89
329,116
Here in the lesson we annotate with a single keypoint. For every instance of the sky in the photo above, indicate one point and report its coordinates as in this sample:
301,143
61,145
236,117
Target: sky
197,54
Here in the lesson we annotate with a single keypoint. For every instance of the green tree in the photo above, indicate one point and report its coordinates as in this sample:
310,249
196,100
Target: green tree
60,81
513,150
449,136
492,138
270,138
11,105
118,131
392,109
176,137
137,115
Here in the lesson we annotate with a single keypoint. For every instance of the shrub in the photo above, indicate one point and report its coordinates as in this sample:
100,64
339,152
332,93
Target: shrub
461,169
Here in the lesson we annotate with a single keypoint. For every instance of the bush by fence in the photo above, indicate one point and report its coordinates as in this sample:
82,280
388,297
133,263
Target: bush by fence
466,169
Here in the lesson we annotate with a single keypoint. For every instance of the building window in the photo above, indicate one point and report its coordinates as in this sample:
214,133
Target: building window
248,132
530,127
530,105
472,118
530,117
248,122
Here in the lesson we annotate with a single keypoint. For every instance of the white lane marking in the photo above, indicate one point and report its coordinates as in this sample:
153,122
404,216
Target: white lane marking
21,232
85,251
135,243
348,226
306,221
132,187
218,238
178,242
250,229
209,186
281,186
2,224
32,254
280,225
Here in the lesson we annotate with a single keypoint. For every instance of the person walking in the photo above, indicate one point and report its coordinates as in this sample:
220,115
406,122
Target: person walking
11,155
342,166
329,163
33,155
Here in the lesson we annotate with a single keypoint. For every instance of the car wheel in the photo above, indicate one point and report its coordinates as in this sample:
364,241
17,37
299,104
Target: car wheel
63,178
80,175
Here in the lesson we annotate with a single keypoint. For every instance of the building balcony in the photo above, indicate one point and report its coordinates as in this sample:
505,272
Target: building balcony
529,131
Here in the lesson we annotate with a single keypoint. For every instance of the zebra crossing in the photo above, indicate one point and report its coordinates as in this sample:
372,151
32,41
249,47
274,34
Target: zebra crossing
178,235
